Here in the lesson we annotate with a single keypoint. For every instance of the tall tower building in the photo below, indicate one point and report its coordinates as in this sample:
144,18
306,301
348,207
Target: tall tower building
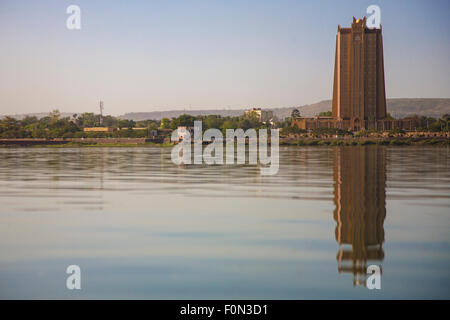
359,97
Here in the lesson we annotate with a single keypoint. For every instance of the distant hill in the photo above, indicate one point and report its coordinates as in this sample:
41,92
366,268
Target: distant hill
398,108
38,115
402,107
158,115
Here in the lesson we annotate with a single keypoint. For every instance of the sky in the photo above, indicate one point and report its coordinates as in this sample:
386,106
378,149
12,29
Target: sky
141,56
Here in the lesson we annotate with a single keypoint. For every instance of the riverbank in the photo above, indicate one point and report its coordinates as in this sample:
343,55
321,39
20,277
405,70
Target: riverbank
303,141
360,141
86,142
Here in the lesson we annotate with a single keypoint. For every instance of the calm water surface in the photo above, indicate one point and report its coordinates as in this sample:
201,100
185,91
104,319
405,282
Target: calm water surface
141,227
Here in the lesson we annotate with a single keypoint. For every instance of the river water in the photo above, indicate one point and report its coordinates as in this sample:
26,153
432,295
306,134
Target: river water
139,226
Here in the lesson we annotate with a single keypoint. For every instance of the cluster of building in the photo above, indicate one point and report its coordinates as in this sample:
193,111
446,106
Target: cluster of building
108,129
263,116
359,97
354,124
152,134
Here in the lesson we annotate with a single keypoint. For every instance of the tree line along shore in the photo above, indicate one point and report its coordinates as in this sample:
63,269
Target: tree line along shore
89,129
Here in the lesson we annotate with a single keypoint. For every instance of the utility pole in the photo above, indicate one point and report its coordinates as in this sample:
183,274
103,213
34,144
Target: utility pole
101,113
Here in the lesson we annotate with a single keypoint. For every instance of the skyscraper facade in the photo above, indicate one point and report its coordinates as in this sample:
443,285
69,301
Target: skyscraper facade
359,97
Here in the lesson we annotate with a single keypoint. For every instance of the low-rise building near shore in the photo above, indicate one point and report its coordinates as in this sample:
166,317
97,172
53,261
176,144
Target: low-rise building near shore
111,129
183,132
261,115
98,129
350,125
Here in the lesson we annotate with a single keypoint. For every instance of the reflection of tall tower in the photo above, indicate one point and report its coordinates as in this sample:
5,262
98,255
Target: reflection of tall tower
359,197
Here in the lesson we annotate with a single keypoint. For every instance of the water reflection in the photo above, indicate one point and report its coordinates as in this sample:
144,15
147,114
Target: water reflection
360,200
141,227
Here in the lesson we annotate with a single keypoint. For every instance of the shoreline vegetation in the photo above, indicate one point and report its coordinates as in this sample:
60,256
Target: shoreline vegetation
94,130
440,141
299,141
90,142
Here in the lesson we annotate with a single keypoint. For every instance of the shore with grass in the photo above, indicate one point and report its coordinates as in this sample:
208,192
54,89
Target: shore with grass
88,142
396,141
284,141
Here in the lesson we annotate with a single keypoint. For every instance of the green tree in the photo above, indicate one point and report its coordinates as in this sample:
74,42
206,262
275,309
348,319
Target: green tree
54,116
165,123
10,128
295,114
29,120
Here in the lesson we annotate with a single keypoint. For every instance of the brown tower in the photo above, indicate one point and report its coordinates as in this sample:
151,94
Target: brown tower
359,97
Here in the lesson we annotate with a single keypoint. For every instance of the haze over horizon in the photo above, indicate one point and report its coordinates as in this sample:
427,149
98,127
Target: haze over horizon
144,56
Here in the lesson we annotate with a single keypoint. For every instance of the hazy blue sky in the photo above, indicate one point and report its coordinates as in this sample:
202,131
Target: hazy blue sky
161,55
